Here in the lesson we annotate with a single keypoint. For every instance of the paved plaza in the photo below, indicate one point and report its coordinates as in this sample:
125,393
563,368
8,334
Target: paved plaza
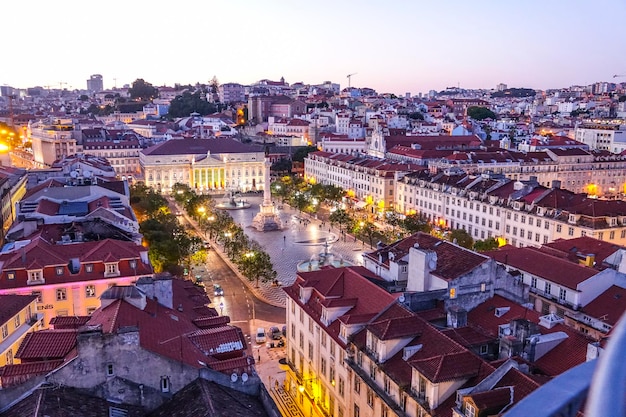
302,239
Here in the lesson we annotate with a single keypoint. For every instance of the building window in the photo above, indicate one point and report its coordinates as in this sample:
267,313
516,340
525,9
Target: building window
133,263
341,387
110,369
165,384
35,276
301,340
470,411
356,411
370,397
111,268
310,325
331,375
558,228
387,385
59,270
89,268
548,287
90,291
357,381
533,282
310,350
10,357
5,333
39,296
61,294
562,293
293,331
11,274
18,321
323,367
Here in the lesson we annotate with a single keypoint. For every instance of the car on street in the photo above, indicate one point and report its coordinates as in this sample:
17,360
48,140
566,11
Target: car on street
275,333
260,335
218,290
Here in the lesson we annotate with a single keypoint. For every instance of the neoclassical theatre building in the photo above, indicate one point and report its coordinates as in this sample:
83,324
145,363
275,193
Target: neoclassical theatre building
203,164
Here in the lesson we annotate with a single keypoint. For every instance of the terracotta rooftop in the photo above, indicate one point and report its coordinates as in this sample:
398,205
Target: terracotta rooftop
200,147
532,260
47,345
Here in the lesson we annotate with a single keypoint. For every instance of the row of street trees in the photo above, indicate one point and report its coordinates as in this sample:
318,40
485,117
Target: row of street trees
308,197
251,260
171,248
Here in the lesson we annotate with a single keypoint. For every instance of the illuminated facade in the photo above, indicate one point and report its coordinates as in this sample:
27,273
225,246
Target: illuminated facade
51,140
20,317
203,164
369,180
522,213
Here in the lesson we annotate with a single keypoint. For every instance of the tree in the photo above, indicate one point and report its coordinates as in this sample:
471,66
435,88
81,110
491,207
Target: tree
342,218
414,223
416,116
187,103
480,113
302,153
257,265
142,90
283,165
333,193
461,238
485,245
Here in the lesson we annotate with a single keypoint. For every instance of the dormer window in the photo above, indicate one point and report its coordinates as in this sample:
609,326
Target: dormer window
11,275
470,411
133,263
89,268
35,276
111,269
59,270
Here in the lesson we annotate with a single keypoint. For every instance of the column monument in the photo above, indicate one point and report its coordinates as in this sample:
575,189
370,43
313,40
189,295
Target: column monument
267,218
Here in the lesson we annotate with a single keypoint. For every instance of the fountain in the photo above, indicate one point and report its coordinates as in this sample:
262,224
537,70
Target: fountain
232,203
324,259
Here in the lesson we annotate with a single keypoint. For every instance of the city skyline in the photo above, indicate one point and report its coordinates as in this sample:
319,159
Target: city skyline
403,47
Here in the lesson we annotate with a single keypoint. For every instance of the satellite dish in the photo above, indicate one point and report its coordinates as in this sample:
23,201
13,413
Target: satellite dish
234,377
507,331
401,299
244,377
73,174
87,174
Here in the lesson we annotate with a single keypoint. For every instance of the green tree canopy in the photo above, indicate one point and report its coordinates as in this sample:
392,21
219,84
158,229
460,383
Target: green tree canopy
485,245
461,238
142,90
414,223
187,103
302,153
480,113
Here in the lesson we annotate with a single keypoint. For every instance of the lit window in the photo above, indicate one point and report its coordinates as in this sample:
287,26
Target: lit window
90,291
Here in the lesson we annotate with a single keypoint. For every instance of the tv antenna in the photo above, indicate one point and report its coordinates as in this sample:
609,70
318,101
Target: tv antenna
349,77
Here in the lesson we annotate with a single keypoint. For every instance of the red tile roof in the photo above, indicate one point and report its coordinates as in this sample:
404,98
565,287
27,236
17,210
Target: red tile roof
447,367
200,147
68,322
495,398
608,306
534,261
46,345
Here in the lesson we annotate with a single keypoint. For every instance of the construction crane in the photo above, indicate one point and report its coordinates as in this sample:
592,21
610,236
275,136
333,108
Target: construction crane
349,77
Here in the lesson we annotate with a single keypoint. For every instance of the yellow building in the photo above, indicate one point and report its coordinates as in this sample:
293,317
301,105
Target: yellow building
18,316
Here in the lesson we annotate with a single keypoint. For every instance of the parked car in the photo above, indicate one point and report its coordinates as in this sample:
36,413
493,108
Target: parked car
260,335
275,333
218,290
